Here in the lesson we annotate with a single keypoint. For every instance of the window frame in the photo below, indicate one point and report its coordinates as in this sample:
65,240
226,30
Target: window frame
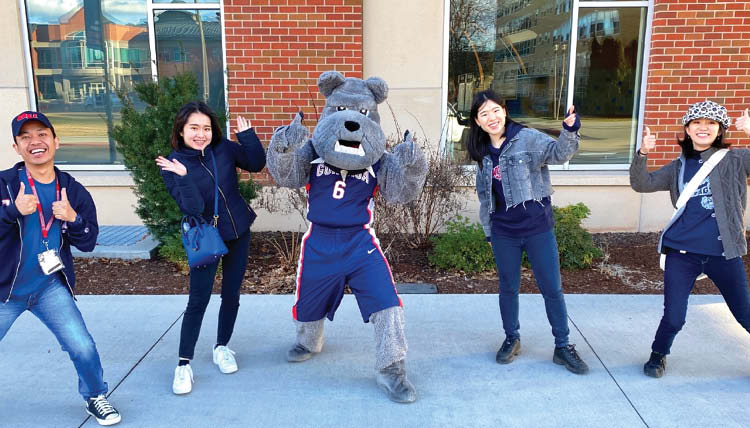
574,13
117,169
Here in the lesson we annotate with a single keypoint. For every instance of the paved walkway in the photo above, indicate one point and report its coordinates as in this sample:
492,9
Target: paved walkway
452,338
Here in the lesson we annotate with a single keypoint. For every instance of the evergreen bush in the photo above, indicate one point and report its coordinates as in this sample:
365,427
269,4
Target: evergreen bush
464,247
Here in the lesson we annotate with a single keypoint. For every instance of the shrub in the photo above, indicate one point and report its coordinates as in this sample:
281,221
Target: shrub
439,201
463,247
576,247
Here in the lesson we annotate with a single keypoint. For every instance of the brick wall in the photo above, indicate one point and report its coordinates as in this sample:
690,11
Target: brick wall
699,50
276,49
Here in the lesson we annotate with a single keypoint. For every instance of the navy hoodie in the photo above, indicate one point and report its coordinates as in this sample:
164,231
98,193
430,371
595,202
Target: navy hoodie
194,192
81,235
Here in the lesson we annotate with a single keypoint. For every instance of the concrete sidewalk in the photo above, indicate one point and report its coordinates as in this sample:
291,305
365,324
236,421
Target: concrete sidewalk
452,338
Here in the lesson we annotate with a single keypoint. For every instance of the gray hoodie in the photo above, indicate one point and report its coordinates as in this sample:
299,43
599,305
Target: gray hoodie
728,184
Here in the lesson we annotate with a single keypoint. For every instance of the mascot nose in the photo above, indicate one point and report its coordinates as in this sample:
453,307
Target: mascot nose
351,126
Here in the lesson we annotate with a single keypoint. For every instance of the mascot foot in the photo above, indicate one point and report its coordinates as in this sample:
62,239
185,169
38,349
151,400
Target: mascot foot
393,381
298,354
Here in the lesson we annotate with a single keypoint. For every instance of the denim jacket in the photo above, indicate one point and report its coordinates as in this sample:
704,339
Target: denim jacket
728,185
523,165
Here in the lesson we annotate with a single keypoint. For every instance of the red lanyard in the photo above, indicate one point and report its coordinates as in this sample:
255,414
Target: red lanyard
48,226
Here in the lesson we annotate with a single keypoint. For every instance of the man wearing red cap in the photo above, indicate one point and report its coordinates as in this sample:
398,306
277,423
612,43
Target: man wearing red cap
43,211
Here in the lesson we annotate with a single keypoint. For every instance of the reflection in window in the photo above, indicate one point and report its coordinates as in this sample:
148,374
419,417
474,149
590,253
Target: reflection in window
76,47
517,48
190,40
607,82
521,50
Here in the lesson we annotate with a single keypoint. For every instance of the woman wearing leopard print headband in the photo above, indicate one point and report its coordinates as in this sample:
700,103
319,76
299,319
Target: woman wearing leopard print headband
706,235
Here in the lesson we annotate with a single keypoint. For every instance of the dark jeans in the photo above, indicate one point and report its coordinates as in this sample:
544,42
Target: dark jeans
55,307
201,283
545,262
680,272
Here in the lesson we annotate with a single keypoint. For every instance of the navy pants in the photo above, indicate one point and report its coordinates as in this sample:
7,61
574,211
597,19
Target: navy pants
233,268
545,262
680,272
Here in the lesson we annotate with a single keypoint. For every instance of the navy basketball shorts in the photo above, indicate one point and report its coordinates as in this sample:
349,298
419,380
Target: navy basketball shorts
331,258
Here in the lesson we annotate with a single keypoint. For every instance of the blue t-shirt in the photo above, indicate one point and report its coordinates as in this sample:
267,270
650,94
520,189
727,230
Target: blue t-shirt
333,202
525,219
696,230
30,278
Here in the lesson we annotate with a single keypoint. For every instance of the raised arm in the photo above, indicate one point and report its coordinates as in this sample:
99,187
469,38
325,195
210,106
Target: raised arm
290,153
402,174
248,154
646,182
560,151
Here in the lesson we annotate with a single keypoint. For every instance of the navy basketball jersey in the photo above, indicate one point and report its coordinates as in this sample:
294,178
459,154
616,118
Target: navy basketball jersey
333,201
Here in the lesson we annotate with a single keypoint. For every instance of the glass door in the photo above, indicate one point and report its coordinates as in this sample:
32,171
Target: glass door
190,40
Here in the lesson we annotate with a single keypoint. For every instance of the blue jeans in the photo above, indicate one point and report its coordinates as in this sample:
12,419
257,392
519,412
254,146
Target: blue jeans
680,272
545,263
55,307
233,268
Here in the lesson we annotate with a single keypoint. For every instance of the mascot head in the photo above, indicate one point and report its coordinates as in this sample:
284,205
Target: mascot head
348,135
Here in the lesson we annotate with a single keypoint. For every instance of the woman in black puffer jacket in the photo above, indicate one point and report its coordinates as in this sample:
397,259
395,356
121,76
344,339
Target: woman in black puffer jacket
189,177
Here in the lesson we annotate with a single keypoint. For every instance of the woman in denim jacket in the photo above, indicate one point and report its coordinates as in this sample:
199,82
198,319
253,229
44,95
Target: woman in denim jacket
189,176
707,236
515,210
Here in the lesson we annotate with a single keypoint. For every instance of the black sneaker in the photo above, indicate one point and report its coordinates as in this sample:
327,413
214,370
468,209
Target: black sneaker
100,408
656,365
508,350
568,356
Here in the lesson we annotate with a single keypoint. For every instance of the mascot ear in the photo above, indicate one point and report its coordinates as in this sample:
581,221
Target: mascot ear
378,87
329,81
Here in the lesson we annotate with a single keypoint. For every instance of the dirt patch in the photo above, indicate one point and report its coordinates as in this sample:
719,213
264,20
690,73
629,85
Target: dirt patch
630,266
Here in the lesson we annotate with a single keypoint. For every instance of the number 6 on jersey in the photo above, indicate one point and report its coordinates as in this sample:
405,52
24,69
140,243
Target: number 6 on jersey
338,190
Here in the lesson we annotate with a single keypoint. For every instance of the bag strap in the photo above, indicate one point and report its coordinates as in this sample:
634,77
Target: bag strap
216,190
698,178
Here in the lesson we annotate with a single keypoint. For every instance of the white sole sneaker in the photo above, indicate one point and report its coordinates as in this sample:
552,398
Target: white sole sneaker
224,359
183,380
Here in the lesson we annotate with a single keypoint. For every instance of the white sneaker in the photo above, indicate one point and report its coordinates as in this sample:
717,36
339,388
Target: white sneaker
183,379
224,358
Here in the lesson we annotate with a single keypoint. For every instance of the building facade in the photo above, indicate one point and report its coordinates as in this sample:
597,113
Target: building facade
625,65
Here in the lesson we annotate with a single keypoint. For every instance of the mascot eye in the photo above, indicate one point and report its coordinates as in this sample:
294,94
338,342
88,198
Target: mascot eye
363,111
340,108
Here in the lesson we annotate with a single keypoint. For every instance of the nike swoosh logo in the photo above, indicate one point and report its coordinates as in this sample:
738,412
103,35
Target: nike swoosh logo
370,252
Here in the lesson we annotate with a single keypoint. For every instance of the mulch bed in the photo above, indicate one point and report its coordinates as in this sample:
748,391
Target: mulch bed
630,266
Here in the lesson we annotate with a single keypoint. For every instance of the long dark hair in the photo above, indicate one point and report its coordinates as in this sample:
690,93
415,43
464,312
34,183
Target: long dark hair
479,140
687,143
181,119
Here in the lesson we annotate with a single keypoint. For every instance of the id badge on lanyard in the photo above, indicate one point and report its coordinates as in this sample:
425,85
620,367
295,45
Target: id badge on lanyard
49,260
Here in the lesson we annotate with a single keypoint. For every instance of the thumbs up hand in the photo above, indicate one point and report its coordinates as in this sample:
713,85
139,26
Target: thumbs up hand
26,204
572,122
743,123
62,209
648,143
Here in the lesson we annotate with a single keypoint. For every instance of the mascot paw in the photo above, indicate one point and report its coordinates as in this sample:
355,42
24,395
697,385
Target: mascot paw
298,354
393,381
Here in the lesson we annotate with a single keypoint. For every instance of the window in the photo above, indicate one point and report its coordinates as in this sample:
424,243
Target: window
71,63
522,50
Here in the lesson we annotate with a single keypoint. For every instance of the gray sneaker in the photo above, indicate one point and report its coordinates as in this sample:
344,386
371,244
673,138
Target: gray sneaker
656,365
508,351
393,381
298,354
568,356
